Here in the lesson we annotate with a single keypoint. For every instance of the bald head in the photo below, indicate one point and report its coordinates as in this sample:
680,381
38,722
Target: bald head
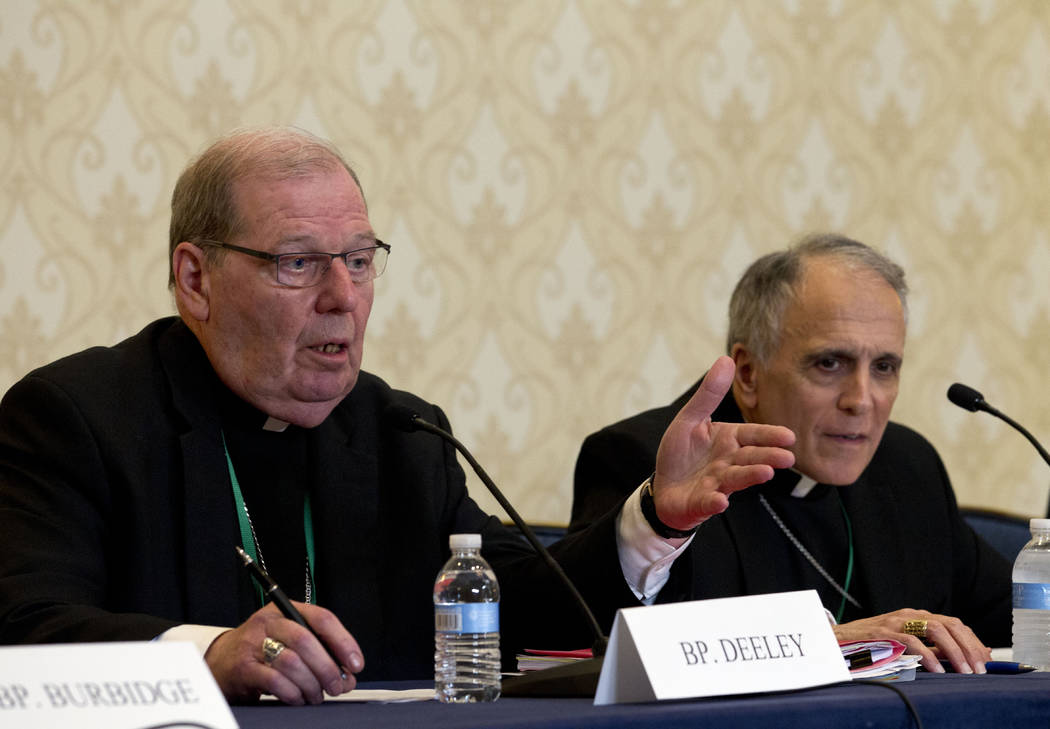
203,202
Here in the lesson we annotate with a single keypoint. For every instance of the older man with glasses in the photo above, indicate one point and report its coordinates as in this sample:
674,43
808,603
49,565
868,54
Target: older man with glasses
128,474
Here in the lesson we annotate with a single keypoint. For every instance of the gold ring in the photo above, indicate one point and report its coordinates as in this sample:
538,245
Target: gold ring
271,649
915,627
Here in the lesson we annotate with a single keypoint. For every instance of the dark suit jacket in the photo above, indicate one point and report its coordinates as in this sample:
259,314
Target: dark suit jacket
913,548
118,520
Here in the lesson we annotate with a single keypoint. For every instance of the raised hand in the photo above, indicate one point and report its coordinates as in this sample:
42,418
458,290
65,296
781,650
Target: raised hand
701,462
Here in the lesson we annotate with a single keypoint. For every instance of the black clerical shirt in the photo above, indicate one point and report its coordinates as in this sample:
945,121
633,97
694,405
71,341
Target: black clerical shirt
274,471
818,522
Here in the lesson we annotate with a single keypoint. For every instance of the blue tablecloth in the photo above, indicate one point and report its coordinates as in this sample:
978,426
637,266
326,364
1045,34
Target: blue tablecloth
942,701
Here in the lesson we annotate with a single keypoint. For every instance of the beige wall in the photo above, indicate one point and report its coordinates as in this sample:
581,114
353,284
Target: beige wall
570,188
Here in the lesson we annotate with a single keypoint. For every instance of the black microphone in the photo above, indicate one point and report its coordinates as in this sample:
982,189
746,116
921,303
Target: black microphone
575,679
970,399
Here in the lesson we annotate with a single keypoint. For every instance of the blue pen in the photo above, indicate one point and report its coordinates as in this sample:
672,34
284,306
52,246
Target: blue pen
1007,667
1000,667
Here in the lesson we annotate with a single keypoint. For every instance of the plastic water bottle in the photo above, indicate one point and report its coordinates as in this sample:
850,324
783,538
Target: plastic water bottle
466,625
1032,598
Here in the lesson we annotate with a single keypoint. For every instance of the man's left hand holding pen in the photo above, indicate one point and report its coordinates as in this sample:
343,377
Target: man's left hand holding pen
301,672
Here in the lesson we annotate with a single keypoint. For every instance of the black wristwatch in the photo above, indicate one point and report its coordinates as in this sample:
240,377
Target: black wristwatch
649,512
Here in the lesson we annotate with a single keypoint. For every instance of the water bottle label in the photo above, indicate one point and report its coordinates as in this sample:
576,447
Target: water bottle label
470,617
1032,595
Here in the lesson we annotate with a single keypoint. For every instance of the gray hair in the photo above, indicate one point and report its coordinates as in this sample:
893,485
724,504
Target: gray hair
763,292
202,204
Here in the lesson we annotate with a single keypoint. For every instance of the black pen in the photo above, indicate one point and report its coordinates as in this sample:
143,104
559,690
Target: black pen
276,594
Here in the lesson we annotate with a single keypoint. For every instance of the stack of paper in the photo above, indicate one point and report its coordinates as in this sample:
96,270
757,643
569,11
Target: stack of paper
879,659
537,660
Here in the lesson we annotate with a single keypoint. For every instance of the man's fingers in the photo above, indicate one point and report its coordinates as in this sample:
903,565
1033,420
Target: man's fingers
916,647
310,666
705,506
772,456
958,644
952,641
711,391
335,637
699,462
284,678
756,434
740,477
301,661
301,671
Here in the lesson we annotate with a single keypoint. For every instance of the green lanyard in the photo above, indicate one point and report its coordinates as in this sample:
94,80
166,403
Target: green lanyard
248,538
849,564
844,591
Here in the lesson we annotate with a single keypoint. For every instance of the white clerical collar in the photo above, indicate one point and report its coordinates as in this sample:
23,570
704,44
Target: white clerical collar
275,425
803,487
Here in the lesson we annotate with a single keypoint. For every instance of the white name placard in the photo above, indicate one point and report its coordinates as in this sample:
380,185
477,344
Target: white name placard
109,686
733,645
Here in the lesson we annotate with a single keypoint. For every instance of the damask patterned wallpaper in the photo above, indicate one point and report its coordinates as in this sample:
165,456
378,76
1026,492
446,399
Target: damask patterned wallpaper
570,188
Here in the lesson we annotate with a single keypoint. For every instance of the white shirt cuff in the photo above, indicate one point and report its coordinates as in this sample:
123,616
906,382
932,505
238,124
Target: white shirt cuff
645,556
202,636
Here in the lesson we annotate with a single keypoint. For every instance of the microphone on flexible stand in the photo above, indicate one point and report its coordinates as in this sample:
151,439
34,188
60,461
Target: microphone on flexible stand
969,399
574,679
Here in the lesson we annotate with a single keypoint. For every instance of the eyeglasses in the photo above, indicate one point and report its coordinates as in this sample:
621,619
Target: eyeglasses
302,270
